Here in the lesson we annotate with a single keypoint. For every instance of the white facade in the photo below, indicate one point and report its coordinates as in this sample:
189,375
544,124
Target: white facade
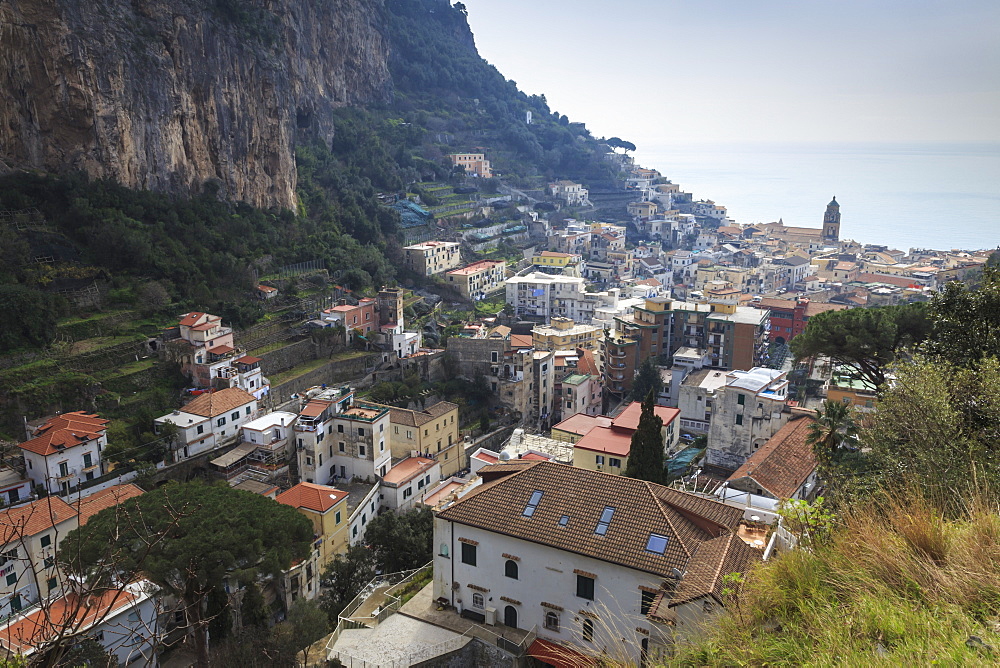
543,593
61,471
409,482
546,295
198,433
362,514
406,343
347,440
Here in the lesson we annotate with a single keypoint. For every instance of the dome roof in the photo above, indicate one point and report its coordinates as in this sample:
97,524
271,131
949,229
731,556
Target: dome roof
833,202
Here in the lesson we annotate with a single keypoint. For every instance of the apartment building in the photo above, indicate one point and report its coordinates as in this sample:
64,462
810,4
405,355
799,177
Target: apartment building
432,257
747,411
478,279
432,432
564,334
208,421
339,438
542,296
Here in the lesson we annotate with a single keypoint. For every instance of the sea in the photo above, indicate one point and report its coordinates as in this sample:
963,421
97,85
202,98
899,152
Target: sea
938,196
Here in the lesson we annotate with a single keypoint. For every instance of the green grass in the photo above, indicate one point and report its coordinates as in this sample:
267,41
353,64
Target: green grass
305,368
897,584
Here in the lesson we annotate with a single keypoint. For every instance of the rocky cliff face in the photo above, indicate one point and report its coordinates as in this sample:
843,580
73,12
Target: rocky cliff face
168,94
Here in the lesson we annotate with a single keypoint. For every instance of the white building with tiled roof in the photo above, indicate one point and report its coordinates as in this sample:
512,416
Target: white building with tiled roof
66,451
209,421
603,563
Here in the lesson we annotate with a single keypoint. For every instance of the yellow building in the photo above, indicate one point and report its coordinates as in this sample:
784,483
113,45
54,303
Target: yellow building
554,259
474,164
326,507
432,432
564,334
855,392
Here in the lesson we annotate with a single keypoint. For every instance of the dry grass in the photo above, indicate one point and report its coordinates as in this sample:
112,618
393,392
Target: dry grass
903,580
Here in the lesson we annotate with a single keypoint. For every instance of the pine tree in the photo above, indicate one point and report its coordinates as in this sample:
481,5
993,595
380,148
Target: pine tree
645,460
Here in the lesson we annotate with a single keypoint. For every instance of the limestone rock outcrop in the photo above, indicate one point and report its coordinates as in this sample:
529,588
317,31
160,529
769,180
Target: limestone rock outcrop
170,94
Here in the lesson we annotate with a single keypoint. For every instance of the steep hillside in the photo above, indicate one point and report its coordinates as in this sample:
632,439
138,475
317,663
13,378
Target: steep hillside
168,94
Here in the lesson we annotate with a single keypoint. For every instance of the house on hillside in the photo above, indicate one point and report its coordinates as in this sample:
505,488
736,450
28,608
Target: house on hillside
66,451
782,468
432,432
606,447
208,421
626,570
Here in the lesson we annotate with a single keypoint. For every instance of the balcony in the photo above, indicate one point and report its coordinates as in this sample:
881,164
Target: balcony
70,473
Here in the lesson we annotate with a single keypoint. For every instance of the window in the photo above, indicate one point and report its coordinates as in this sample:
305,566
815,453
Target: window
588,630
657,543
599,459
510,569
408,492
552,621
478,601
336,517
647,602
529,509
741,399
309,461
612,461
361,451
585,587
248,408
201,429
221,421
88,460
739,419
602,524
11,579
52,583
340,428
361,431
468,554
63,469
235,416
46,540
341,446
354,532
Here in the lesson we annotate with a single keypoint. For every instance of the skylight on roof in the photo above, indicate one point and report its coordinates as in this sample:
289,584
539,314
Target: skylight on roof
529,509
657,543
564,520
602,524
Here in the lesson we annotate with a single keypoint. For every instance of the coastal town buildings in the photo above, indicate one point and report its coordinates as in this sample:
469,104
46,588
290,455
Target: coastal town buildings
479,279
208,421
432,257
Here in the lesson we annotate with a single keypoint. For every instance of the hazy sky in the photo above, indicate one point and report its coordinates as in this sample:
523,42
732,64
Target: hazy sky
654,71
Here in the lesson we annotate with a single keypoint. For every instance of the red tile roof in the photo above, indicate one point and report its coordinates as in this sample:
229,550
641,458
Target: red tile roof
521,341
247,359
65,616
191,318
33,518
688,521
782,464
310,496
616,442
486,457
581,423
107,498
218,403
629,418
407,470
65,431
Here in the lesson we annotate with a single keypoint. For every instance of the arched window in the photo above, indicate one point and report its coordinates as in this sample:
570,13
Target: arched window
510,569
552,621
477,600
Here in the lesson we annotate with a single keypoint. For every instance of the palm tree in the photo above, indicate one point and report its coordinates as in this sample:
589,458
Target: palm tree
834,428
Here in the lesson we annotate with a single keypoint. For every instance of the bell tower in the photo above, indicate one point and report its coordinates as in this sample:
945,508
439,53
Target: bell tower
831,221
